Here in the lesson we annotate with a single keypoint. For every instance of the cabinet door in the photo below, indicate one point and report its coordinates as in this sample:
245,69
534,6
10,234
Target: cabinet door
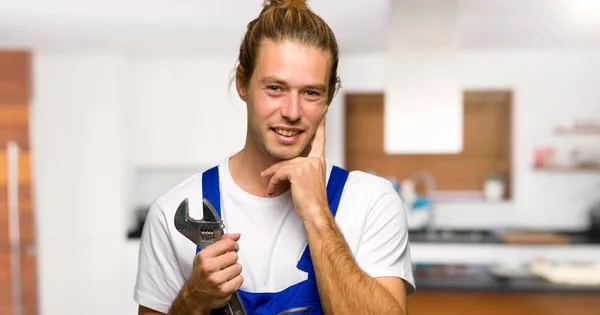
502,303
18,268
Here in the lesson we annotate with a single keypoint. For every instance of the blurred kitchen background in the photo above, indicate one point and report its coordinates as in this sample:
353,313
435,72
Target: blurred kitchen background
485,114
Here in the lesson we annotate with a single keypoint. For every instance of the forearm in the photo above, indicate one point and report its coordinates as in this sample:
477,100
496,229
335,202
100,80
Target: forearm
343,287
184,304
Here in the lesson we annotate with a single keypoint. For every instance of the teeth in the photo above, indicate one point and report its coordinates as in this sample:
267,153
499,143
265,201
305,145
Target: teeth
287,133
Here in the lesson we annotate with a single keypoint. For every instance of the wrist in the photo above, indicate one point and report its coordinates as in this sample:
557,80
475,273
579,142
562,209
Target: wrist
320,218
190,301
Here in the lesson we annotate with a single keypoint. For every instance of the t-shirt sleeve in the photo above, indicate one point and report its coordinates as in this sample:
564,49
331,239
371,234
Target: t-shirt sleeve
384,249
159,276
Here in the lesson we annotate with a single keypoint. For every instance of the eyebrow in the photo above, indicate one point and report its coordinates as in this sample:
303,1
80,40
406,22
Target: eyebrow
271,80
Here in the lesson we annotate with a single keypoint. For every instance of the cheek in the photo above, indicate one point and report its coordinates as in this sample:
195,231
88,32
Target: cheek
314,112
263,107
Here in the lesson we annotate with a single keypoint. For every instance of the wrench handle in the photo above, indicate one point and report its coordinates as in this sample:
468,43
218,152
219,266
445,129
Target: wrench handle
235,306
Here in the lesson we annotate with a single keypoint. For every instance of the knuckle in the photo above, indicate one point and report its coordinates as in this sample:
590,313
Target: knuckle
202,256
206,266
230,243
213,280
223,292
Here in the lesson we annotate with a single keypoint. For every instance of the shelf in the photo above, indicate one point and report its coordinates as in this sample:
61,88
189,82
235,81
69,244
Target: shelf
592,130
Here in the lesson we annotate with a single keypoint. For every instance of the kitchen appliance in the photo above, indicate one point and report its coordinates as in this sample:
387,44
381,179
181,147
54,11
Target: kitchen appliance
594,216
595,220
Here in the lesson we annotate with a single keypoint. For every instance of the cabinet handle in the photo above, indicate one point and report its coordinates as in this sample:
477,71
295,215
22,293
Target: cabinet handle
12,153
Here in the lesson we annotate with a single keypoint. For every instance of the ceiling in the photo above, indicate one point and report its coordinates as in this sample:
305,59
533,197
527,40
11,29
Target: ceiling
200,25
217,26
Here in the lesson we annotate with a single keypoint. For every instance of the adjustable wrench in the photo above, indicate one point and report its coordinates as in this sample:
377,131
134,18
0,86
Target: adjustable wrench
204,233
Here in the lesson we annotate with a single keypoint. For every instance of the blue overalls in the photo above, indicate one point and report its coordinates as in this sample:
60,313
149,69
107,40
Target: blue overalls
301,298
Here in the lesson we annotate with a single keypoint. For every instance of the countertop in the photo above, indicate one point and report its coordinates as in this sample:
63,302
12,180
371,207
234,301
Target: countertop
488,237
437,277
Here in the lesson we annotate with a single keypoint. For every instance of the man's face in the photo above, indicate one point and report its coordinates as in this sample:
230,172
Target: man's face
286,97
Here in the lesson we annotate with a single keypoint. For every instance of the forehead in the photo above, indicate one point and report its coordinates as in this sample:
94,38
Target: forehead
293,62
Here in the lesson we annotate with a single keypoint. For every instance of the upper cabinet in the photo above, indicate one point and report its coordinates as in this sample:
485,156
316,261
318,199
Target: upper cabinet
15,81
423,96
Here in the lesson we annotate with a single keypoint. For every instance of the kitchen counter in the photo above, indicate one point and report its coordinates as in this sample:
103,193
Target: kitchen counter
479,278
473,290
488,237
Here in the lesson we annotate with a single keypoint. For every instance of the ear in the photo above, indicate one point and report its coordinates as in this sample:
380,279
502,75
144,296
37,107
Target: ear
241,89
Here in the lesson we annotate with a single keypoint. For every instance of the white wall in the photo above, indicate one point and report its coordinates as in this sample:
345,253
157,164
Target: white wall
183,111
84,156
85,265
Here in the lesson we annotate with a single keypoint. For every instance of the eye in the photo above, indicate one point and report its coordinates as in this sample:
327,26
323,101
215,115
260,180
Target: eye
313,94
273,88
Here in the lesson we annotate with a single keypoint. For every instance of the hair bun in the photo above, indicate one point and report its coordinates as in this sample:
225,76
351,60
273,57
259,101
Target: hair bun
286,4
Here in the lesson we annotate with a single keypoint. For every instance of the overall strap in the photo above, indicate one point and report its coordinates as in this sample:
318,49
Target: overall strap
210,187
335,187
210,190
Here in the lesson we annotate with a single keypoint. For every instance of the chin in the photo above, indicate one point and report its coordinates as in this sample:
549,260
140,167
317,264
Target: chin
285,153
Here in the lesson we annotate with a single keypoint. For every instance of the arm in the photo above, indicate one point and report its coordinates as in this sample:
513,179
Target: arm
371,284
160,285
142,310
178,308
344,288
183,305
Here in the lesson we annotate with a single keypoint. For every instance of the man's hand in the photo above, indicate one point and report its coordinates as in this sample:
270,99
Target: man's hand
306,176
215,277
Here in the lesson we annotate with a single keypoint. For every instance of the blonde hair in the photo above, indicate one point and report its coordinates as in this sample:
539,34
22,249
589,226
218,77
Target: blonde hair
287,20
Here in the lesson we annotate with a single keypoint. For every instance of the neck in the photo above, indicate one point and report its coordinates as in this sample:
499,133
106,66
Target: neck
245,168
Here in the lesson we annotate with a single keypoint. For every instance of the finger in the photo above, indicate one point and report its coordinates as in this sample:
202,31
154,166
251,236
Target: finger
272,169
232,236
318,144
222,276
224,261
219,248
282,174
232,285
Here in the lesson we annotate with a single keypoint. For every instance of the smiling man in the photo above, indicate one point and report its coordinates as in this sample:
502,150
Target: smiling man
303,236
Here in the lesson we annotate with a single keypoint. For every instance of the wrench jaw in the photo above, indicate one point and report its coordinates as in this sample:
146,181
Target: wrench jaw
201,232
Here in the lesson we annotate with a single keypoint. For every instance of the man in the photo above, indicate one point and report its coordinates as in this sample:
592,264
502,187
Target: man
304,236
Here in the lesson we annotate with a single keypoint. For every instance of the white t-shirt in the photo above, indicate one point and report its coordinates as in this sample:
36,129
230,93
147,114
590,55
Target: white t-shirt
371,216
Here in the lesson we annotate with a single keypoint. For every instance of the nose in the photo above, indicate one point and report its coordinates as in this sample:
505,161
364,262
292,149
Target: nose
292,109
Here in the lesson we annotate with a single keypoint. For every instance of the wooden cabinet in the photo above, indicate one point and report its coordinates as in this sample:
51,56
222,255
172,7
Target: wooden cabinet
503,303
18,271
486,135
